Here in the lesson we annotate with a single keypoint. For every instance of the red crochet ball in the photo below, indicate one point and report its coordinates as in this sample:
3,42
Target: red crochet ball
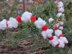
58,44
45,27
18,18
51,38
33,18
6,24
55,27
61,35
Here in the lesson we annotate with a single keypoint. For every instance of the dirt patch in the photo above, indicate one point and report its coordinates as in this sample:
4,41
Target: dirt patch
22,50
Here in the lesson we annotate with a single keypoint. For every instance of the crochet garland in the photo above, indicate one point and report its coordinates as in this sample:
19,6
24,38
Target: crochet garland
58,40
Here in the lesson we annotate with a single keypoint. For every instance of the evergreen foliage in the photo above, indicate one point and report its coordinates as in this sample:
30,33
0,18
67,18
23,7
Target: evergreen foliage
30,32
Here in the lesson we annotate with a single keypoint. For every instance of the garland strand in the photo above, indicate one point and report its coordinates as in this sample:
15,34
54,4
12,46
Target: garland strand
57,41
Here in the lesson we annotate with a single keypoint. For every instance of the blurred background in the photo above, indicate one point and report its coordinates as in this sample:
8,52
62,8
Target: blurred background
26,39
